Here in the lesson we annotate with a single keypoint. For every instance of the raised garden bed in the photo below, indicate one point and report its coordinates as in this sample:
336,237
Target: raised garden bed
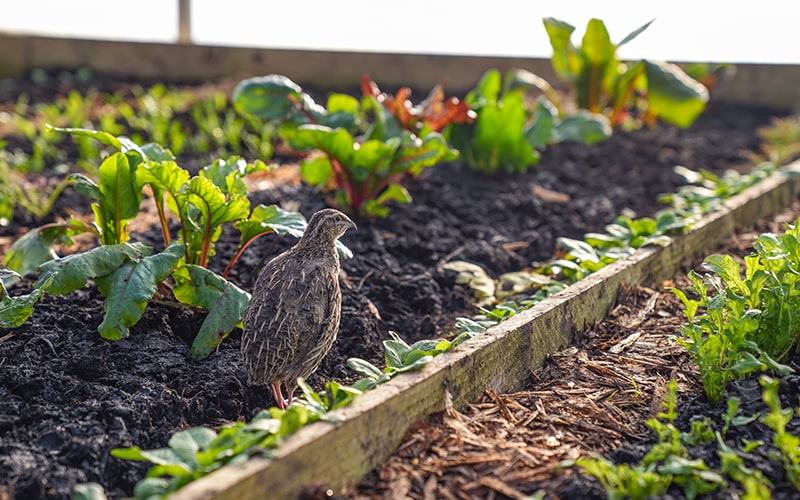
590,398
68,397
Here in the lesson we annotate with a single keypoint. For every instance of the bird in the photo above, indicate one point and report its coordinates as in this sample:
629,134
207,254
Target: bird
292,319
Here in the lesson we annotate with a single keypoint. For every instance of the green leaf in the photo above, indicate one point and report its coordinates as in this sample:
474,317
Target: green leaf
15,311
673,95
130,286
579,250
119,199
727,269
35,247
186,444
88,491
584,127
635,33
72,272
267,219
316,170
271,97
475,277
565,61
224,301
99,135
596,46
364,368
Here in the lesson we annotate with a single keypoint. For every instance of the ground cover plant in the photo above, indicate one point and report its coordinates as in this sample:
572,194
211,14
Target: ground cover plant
415,299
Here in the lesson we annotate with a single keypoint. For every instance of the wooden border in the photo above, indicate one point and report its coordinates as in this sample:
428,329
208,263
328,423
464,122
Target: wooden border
771,85
369,430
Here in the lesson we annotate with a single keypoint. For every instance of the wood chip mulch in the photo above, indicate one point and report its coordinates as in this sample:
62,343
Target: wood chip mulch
588,398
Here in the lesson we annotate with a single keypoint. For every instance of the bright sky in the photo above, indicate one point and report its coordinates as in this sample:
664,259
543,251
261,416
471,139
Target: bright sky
684,30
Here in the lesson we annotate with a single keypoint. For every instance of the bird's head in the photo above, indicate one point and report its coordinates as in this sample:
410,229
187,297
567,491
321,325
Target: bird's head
328,224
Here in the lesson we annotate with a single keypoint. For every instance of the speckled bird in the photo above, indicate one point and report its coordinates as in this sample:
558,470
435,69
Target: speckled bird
293,316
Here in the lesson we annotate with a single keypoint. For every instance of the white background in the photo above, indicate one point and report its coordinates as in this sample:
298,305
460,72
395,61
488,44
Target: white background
767,31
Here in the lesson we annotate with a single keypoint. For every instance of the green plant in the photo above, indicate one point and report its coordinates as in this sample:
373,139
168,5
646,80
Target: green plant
625,92
507,133
129,274
367,168
751,321
400,358
718,341
667,463
777,419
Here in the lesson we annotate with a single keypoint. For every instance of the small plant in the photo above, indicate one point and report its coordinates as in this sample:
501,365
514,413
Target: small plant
777,419
507,133
666,464
400,358
626,92
367,165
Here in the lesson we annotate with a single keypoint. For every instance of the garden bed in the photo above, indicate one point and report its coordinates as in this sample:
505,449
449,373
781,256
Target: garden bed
68,397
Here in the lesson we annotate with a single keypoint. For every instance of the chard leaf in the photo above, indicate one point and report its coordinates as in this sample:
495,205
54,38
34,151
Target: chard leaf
271,97
118,198
130,286
596,46
99,135
187,444
316,170
71,272
35,247
212,204
224,301
14,311
673,95
584,127
268,219
565,61
337,143
413,157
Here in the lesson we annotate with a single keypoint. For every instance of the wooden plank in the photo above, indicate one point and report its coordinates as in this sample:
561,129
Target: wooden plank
370,429
770,85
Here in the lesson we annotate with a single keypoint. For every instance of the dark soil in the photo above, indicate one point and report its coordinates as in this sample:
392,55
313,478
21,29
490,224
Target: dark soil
67,397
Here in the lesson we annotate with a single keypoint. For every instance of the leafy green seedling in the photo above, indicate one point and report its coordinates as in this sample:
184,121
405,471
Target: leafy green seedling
777,419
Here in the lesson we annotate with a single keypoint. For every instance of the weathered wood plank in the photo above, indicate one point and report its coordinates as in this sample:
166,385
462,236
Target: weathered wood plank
770,85
370,429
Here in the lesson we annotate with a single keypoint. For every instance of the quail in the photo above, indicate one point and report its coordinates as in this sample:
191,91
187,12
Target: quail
293,316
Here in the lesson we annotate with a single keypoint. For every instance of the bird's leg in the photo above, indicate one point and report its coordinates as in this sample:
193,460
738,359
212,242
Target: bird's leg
290,391
276,393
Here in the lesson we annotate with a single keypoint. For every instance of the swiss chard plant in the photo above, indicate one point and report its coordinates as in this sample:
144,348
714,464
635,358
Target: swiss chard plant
129,274
508,132
433,114
366,163
629,93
